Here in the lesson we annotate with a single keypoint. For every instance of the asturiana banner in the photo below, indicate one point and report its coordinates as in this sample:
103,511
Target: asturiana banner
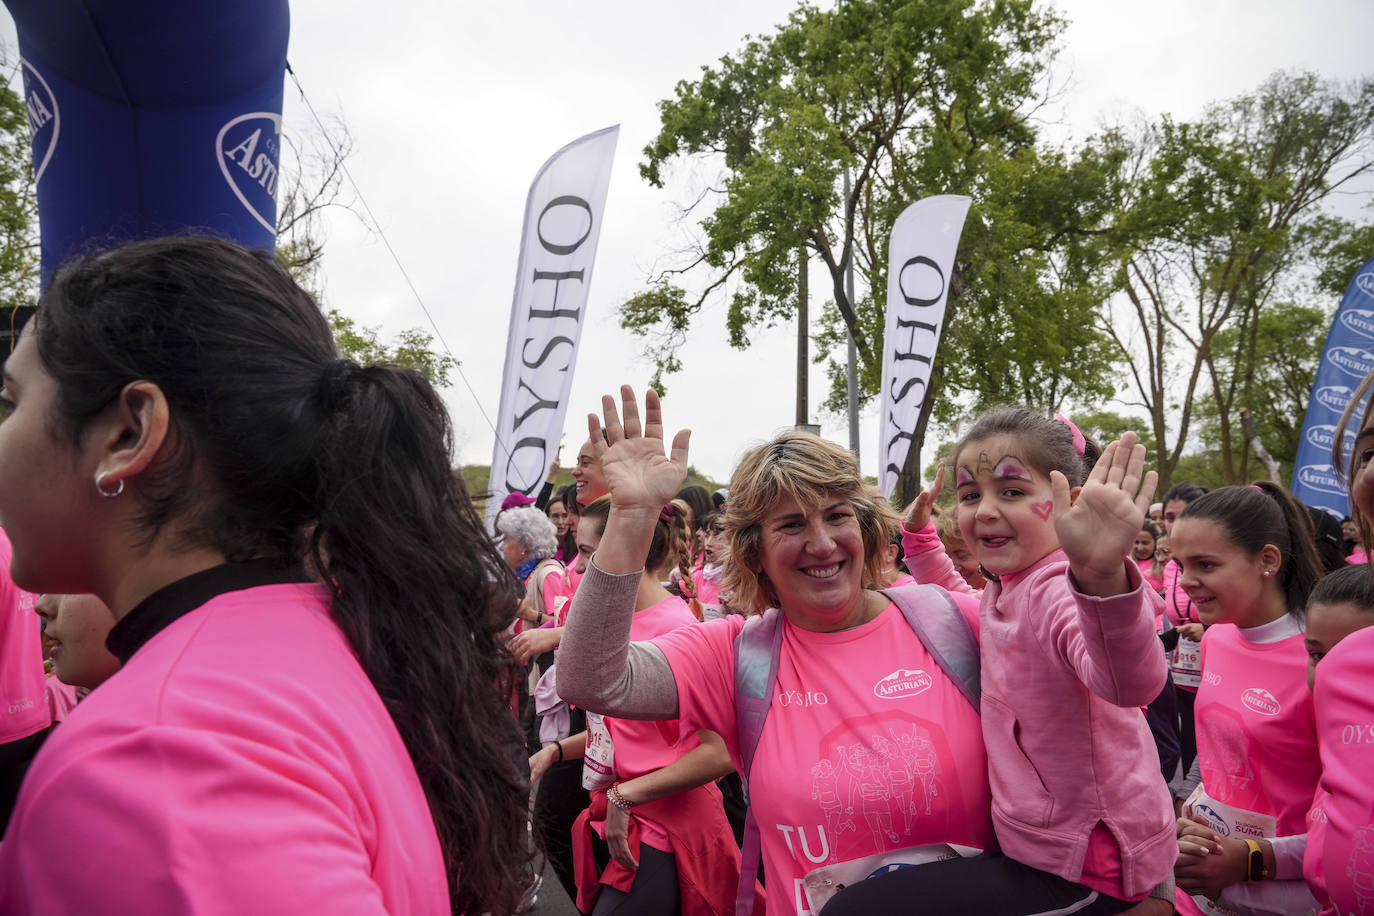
1346,360
920,258
563,214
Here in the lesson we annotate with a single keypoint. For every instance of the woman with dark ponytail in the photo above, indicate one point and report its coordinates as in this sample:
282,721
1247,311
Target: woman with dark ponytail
1248,563
311,707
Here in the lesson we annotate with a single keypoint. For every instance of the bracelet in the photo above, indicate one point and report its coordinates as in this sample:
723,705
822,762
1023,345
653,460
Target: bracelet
614,797
1254,862
559,744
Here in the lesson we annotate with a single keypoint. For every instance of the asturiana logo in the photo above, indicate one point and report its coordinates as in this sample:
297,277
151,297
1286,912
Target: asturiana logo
902,683
1365,283
1214,820
1350,360
1320,477
1261,701
1324,434
1361,321
1333,397
45,118
249,151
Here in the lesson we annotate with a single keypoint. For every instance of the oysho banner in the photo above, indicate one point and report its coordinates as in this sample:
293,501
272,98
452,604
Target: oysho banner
920,257
563,216
1347,358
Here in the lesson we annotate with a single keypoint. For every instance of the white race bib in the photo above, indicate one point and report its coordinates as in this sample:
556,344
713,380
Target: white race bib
598,763
1188,662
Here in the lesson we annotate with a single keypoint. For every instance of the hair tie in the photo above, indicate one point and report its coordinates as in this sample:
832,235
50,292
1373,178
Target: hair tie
1255,486
668,514
1080,445
332,381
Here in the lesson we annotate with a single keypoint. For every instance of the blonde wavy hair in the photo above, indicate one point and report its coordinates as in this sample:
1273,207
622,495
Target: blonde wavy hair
813,472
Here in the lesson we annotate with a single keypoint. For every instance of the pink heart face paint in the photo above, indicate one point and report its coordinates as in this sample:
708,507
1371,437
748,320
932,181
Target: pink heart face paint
1004,505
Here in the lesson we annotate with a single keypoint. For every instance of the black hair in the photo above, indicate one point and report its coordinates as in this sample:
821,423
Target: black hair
279,450
1265,513
699,499
567,495
1326,534
1048,443
1182,492
1349,585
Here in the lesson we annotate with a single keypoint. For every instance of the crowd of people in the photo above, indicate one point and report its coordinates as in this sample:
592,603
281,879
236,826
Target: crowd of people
259,653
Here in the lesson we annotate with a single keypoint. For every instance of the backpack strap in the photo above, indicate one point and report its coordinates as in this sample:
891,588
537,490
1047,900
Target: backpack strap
757,649
945,632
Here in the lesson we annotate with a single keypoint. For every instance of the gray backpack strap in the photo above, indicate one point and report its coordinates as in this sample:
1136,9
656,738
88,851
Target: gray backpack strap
946,634
757,649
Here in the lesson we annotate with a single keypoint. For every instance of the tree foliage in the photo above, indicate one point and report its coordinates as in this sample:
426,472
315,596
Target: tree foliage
411,349
1219,218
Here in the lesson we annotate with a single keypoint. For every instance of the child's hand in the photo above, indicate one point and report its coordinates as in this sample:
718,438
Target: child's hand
1097,529
918,513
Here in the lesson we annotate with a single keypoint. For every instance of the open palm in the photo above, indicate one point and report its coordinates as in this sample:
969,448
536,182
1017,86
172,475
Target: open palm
1096,530
638,471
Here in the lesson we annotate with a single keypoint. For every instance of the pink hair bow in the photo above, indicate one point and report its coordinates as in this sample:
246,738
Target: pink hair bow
1080,445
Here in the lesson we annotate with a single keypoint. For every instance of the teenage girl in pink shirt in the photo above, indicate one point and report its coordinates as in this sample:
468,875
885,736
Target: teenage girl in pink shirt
1069,657
310,714
1248,564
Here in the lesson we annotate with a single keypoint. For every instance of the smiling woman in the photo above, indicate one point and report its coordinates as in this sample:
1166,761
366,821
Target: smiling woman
869,754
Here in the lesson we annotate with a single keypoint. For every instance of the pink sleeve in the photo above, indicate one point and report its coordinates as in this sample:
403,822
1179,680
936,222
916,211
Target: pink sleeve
1110,643
180,807
23,710
928,562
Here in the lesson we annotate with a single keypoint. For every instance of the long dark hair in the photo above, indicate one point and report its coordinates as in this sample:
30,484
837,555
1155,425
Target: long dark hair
283,451
1265,513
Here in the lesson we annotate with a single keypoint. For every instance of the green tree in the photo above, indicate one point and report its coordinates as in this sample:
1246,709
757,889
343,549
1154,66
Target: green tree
1218,220
913,98
19,250
411,348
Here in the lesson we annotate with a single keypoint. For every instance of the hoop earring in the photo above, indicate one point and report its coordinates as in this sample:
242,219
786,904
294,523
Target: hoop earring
109,494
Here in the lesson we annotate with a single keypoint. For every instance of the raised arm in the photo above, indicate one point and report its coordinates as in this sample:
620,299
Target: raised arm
598,668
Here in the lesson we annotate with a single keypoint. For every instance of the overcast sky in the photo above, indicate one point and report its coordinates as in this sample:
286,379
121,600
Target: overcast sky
454,107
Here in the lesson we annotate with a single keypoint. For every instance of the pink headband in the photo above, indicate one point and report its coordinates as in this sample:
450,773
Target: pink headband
1080,445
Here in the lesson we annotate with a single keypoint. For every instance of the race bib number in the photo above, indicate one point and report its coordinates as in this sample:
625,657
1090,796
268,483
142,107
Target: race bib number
1188,662
598,764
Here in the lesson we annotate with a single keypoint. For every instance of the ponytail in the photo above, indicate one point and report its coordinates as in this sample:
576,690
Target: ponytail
680,548
414,584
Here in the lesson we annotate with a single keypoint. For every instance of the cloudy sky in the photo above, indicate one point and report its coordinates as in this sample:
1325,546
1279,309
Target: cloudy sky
454,106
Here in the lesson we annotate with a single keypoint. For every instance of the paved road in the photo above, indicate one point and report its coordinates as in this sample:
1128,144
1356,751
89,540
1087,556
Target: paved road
553,900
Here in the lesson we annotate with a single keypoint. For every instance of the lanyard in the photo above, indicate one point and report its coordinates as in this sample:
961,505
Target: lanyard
1186,614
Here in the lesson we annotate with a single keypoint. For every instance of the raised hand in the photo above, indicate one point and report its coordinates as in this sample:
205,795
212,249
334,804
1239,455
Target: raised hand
918,513
1096,530
641,477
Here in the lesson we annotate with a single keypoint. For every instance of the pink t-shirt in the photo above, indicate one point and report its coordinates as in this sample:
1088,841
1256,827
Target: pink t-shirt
23,709
1313,869
867,747
1147,573
240,762
1256,730
1345,723
642,747
60,697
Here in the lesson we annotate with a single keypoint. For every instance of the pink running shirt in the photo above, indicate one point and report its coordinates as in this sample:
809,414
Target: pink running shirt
867,747
23,707
1345,723
1256,730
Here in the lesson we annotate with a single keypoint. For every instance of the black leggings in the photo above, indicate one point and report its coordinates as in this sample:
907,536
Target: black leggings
986,886
15,758
654,893
1187,728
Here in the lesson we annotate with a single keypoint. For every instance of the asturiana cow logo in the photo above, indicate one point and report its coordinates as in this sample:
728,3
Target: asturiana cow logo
1333,397
1350,360
1365,283
1261,701
45,118
1214,820
1320,477
1361,321
902,683
249,150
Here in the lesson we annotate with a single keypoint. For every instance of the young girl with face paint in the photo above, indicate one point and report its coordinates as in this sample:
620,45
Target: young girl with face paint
1248,564
1069,656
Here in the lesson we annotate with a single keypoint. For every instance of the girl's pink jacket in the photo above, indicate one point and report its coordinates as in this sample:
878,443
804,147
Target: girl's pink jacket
240,762
1064,675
